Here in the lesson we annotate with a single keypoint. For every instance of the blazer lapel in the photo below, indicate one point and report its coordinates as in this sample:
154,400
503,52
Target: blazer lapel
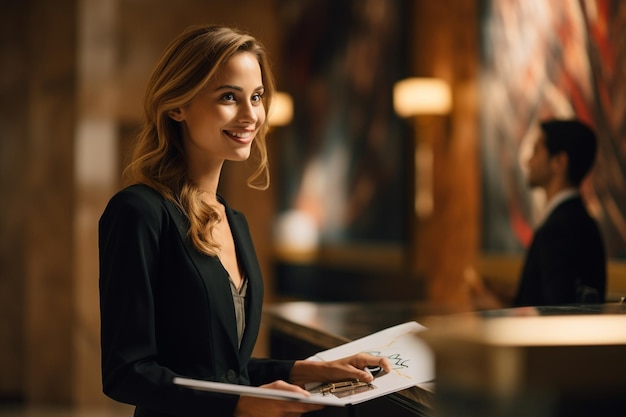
247,257
214,276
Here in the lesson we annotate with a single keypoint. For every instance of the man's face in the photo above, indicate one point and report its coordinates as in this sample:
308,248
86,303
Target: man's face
540,170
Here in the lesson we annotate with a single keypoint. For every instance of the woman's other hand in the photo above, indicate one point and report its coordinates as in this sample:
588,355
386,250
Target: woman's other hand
261,407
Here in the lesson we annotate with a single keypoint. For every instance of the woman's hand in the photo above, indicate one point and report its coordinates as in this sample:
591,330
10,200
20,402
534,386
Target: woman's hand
261,407
350,367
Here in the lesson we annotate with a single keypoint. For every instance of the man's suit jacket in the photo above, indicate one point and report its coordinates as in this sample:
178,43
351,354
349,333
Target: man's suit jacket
167,310
566,261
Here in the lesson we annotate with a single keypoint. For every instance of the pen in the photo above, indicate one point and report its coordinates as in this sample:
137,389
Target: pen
373,370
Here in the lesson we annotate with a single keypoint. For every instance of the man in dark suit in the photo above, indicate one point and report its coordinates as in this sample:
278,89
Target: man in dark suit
566,261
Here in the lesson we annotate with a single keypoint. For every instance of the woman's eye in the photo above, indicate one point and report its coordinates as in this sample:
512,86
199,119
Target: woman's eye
228,97
257,98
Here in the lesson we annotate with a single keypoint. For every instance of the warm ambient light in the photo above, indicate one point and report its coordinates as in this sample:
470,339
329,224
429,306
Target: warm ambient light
296,236
414,96
557,330
281,110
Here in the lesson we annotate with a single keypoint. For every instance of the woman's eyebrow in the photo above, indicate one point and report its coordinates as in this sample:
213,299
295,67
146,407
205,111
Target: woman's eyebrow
234,87
228,87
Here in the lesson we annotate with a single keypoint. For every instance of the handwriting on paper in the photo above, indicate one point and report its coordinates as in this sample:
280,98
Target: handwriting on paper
396,360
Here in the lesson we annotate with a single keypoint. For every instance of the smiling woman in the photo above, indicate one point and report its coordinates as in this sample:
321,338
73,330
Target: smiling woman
221,122
181,290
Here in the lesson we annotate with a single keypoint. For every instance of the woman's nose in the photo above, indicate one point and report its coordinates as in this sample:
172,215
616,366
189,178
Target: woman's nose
248,113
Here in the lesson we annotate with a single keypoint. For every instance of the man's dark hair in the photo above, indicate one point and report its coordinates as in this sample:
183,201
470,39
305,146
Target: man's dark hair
577,140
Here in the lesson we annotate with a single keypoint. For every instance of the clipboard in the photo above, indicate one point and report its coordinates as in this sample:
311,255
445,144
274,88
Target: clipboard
411,358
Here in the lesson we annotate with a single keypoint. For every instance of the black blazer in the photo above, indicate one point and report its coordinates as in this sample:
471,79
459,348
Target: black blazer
167,310
566,261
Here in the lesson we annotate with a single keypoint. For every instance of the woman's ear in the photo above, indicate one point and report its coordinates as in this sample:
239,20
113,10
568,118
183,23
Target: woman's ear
176,114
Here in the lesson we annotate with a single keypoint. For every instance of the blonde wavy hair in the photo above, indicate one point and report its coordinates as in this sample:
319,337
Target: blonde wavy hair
186,67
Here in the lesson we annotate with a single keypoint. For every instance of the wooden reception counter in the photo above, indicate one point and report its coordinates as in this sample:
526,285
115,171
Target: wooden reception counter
547,361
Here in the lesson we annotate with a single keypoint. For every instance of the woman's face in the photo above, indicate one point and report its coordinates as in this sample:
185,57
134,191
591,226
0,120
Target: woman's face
221,122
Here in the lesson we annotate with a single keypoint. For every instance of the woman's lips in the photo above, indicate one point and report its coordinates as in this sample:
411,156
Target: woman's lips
242,137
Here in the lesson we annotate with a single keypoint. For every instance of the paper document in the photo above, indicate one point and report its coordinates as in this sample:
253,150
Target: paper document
260,392
412,363
412,360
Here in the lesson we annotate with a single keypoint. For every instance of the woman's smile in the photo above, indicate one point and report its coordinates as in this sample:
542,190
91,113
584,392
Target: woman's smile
241,136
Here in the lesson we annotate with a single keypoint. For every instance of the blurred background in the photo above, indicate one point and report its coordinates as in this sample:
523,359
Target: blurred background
397,171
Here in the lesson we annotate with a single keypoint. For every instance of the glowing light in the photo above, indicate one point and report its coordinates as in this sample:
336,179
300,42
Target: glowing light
281,110
414,96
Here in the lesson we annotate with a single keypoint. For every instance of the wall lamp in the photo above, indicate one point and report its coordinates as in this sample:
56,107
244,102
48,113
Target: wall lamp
423,98
416,96
281,109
